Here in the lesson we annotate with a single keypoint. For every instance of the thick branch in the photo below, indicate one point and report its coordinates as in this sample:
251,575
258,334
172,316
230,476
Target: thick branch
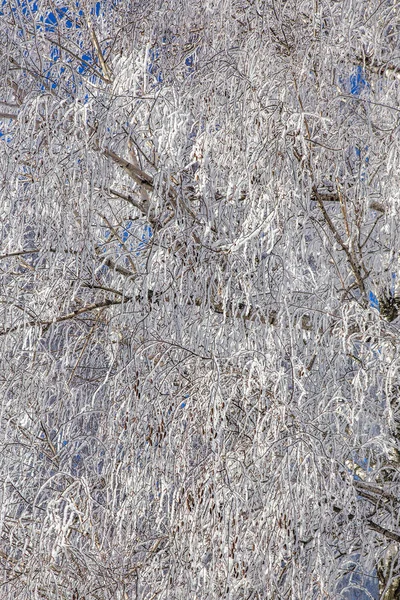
331,196
139,205
108,262
111,264
75,313
104,66
369,487
390,535
19,253
354,266
138,176
4,115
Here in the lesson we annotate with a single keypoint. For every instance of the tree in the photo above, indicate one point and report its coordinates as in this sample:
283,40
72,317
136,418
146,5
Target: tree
199,263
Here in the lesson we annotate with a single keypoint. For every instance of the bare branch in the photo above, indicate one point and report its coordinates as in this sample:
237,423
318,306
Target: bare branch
138,176
61,318
390,535
104,66
350,257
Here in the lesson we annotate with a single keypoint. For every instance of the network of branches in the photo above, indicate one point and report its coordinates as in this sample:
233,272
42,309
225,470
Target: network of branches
199,259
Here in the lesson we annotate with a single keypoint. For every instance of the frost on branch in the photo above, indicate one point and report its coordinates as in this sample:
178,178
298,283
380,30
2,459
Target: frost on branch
199,333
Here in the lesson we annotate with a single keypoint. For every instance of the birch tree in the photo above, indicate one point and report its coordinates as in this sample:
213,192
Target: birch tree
199,334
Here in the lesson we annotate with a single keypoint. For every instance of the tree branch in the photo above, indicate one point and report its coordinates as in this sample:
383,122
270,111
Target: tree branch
104,66
139,205
354,266
383,531
19,253
138,176
75,313
388,69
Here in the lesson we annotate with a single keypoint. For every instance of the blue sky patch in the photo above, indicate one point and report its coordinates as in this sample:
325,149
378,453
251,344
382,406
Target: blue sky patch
358,82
